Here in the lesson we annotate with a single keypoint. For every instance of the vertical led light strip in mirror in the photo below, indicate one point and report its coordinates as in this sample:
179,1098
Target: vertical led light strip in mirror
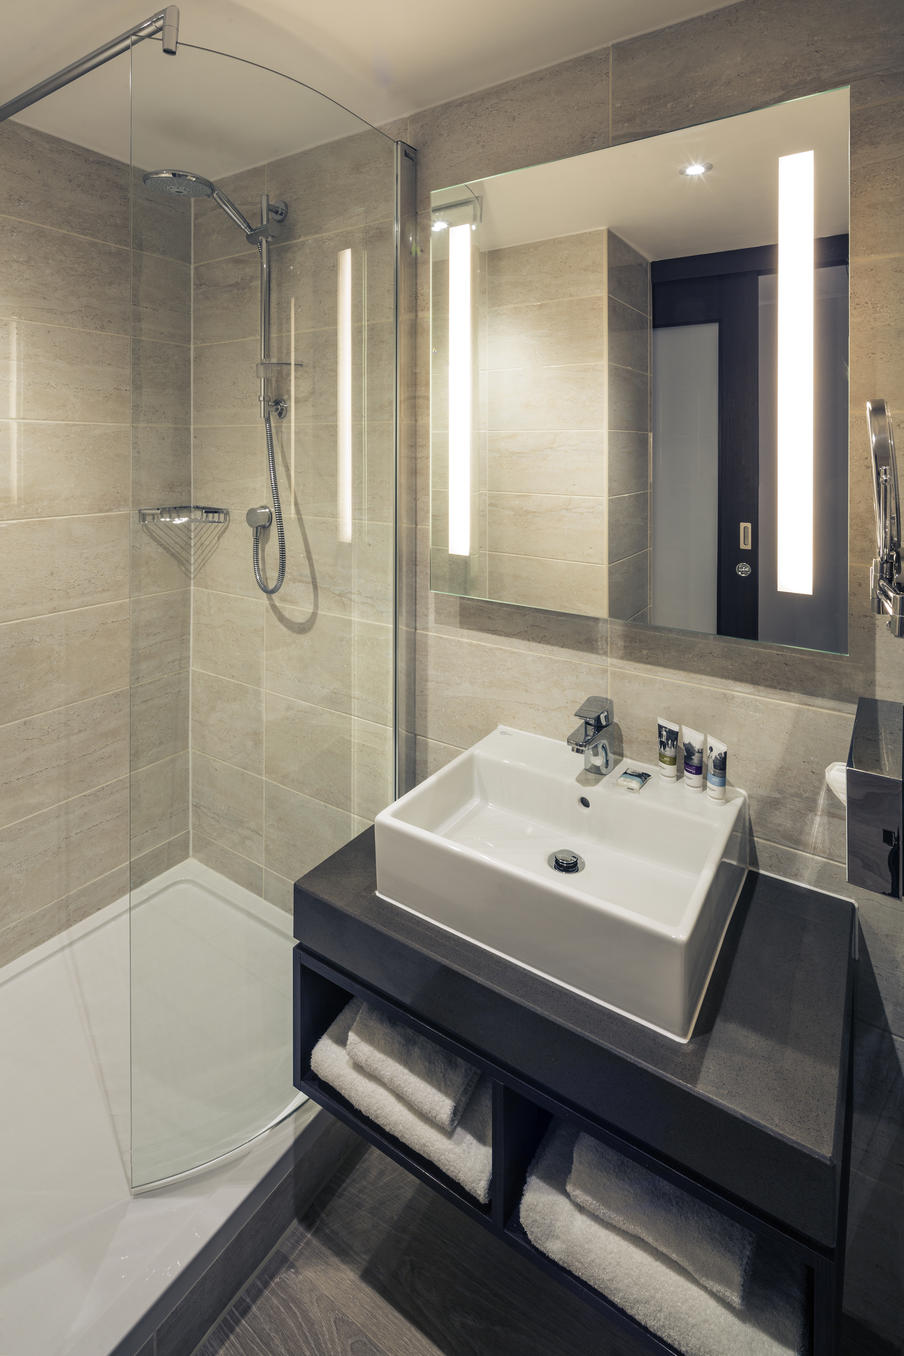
344,396
795,372
460,390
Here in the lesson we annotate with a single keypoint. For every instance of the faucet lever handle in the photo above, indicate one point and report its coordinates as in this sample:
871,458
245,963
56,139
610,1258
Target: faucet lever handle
596,711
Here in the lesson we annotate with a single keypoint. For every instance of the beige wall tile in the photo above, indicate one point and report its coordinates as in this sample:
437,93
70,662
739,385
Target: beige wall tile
322,754
629,586
279,891
334,662
159,719
466,689
161,298
160,635
226,298
66,657
431,756
753,54
228,806
44,375
159,803
522,122
629,400
347,579
227,721
301,831
51,277
629,461
159,859
629,336
345,183
225,389
61,563
53,470
51,182
161,382
161,465
51,854
34,928
228,635
250,875
57,755
229,467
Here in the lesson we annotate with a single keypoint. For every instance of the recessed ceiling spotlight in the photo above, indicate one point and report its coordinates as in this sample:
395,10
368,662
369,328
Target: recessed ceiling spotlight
696,169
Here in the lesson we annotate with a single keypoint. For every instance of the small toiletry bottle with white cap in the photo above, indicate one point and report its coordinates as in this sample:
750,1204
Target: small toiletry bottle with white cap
716,767
693,758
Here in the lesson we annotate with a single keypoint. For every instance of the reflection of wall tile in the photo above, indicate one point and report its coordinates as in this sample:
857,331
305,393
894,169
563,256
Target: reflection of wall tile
629,399
546,270
629,336
557,527
629,586
547,462
628,525
49,470
546,333
55,183
550,397
302,831
629,461
563,585
628,274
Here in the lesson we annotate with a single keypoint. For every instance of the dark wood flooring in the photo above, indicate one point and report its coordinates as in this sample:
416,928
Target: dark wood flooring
380,1266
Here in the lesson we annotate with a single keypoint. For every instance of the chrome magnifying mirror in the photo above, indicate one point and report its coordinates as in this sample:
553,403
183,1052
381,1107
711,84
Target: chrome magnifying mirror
885,575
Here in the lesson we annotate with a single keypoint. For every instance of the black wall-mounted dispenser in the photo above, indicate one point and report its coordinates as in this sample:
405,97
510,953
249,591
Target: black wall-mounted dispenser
875,797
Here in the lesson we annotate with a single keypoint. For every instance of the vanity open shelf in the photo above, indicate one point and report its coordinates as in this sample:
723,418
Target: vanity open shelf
684,1112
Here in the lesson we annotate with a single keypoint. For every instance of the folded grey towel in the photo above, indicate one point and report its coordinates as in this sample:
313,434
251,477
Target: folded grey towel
716,1251
648,1285
463,1154
434,1082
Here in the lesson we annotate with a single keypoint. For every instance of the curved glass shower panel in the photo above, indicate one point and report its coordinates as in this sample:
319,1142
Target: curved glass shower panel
263,394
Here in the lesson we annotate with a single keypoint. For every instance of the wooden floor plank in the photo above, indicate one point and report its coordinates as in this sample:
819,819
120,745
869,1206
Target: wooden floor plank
380,1266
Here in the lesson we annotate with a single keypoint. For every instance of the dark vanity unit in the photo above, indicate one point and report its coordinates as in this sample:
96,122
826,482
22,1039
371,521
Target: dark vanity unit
751,1116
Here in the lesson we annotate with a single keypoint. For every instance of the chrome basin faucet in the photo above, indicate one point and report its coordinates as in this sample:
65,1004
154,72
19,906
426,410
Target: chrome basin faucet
590,737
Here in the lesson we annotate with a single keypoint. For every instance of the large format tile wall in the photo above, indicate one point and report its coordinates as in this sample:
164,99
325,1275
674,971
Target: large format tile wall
292,696
784,714
71,289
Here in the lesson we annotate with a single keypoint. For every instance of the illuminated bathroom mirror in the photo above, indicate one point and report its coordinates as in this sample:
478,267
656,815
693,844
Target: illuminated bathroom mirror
639,394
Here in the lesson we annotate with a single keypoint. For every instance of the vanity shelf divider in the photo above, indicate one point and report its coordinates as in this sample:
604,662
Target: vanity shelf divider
522,1113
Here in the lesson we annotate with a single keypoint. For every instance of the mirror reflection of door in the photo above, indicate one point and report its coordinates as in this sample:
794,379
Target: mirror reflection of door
714,448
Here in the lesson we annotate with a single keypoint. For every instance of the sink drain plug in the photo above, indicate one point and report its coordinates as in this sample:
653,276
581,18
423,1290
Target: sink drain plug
565,860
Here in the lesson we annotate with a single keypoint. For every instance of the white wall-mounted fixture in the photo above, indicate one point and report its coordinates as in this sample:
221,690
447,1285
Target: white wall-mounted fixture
794,512
344,396
461,394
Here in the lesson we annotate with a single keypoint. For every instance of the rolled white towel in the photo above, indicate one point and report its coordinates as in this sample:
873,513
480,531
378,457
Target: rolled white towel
716,1251
464,1154
647,1285
433,1081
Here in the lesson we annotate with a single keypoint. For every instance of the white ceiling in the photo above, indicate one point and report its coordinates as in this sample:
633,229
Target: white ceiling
381,60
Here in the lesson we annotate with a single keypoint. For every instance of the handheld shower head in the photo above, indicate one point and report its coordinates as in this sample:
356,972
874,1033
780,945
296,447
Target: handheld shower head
185,184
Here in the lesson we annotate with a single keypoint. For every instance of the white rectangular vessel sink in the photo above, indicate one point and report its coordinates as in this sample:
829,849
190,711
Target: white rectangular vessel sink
638,928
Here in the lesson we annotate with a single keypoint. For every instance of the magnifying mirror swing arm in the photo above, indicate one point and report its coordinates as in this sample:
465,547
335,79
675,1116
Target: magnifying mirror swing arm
886,592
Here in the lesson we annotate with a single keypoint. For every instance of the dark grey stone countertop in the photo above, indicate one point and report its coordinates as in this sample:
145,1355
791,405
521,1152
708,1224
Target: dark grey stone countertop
752,1104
